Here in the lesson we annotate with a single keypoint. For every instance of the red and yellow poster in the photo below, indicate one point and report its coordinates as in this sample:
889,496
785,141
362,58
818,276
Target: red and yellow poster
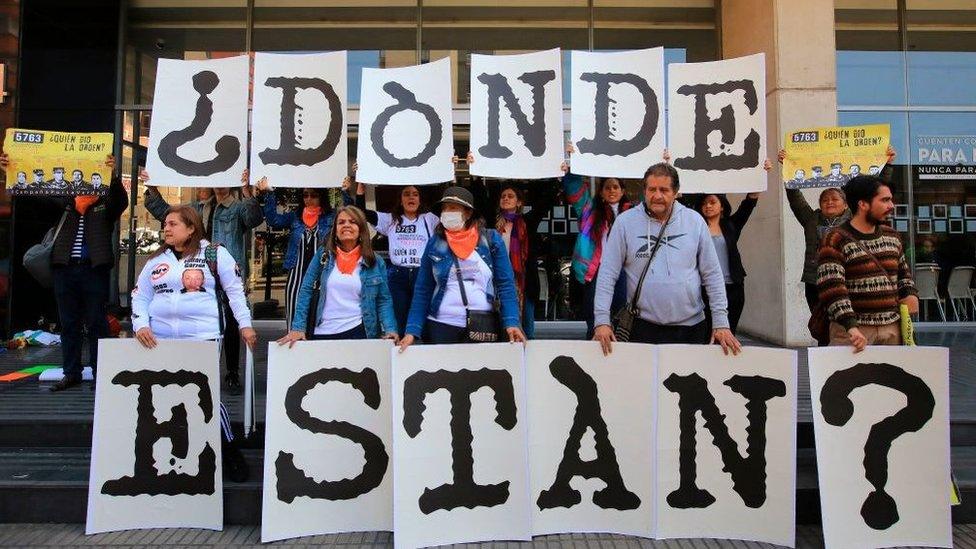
49,163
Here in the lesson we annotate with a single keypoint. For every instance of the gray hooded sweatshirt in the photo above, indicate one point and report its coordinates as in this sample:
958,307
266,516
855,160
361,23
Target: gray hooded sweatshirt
686,261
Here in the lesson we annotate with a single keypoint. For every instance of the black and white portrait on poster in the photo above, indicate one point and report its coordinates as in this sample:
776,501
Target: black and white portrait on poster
717,124
406,125
517,115
731,473
198,136
156,438
591,437
459,428
298,124
328,460
617,112
881,422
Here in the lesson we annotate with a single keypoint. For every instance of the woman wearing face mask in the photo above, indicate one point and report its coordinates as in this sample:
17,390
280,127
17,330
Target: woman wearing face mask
408,228
164,307
308,227
462,251
353,296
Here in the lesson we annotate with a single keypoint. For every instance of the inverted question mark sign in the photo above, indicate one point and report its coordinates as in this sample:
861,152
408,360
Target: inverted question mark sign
880,511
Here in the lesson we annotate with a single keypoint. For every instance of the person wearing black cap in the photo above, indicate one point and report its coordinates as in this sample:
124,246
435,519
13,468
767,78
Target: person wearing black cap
464,270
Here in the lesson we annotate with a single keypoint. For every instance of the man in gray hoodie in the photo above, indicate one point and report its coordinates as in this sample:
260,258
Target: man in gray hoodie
670,305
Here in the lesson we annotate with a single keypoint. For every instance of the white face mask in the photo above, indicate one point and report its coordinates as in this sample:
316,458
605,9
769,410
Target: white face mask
452,221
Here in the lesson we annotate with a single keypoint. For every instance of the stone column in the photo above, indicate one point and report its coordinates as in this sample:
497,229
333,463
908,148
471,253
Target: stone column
801,91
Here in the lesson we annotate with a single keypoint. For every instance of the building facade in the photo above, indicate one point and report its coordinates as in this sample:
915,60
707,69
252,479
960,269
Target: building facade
907,63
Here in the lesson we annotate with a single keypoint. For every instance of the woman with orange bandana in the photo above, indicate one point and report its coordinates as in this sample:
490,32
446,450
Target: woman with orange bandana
81,260
465,269
308,226
350,280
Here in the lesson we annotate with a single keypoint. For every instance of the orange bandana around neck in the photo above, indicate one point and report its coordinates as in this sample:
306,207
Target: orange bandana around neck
310,216
82,203
463,242
347,261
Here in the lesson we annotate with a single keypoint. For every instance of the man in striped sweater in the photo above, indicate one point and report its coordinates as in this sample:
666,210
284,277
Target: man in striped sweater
862,275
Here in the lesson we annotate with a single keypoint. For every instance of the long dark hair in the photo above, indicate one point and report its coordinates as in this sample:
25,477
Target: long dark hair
722,200
365,243
325,201
600,208
189,217
398,211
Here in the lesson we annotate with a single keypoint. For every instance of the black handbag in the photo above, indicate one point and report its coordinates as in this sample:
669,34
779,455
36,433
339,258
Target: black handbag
481,326
623,321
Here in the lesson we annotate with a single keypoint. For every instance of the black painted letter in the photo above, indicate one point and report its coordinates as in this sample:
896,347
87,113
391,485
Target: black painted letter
145,479
228,147
602,142
461,385
406,101
288,152
604,467
292,481
534,134
724,124
749,473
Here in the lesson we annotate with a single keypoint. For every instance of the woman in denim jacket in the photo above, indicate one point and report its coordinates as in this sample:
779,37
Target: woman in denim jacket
354,299
460,242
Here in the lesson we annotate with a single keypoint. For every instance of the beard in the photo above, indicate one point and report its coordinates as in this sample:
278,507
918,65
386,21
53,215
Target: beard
879,220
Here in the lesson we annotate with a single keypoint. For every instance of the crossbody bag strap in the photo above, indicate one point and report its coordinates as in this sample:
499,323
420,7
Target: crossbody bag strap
457,272
60,224
657,245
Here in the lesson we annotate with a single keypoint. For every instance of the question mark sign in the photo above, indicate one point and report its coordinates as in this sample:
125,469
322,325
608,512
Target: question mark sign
879,509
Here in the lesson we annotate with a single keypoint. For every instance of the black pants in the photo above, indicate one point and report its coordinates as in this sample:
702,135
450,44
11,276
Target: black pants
813,296
81,292
440,333
735,296
359,332
648,332
232,343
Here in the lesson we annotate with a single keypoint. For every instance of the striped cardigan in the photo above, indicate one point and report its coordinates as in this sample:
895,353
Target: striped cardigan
852,287
589,247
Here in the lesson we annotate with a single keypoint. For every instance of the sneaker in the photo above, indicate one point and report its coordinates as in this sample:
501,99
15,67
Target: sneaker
235,467
233,382
65,383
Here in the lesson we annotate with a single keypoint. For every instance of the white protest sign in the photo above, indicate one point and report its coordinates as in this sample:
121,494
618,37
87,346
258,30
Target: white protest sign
517,115
299,119
717,124
406,126
329,442
591,427
881,422
198,136
459,432
733,473
617,112
156,438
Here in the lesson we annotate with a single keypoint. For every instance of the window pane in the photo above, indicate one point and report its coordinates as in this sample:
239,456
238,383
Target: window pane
942,78
870,78
866,25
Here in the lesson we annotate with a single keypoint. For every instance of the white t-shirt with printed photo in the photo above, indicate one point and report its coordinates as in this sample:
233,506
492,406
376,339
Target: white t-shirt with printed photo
407,238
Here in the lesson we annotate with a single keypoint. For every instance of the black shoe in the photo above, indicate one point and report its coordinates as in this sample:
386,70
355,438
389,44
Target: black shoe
65,383
233,382
235,467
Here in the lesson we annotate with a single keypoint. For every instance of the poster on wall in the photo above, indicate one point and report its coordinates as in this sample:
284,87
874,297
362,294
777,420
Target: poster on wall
617,112
459,429
49,163
198,136
156,437
830,157
298,124
329,442
406,126
717,124
517,115
881,423
592,437
731,474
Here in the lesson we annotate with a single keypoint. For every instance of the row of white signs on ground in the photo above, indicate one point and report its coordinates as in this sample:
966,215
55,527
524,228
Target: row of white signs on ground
465,443
716,120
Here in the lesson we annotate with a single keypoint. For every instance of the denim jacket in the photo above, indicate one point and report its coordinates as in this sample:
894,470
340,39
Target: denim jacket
231,220
291,220
376,303
437,264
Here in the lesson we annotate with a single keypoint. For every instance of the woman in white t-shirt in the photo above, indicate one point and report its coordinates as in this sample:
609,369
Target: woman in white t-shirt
408,228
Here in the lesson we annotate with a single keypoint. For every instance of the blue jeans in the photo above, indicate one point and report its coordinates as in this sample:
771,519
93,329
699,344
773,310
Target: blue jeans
528,319
81,292
401,281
